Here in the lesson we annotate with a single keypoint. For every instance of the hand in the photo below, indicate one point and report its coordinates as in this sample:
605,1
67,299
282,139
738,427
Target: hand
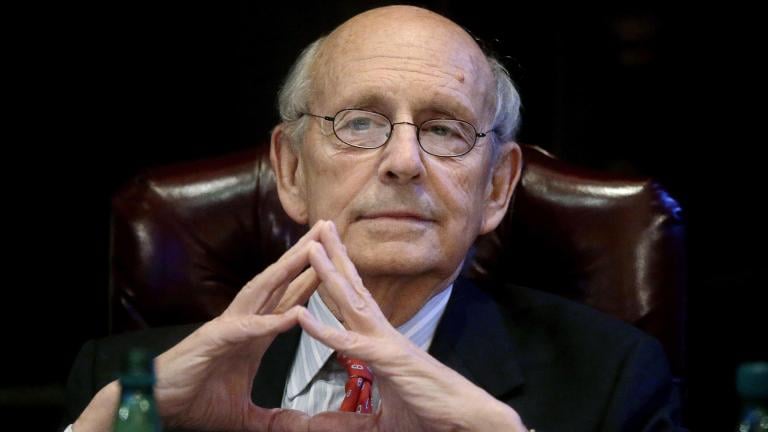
418,393
204,382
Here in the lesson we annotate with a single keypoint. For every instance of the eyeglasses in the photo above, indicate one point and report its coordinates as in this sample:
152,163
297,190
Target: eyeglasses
370,130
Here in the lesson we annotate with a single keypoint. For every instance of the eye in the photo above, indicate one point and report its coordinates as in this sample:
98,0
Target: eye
439,130
357,127
359,123
442,129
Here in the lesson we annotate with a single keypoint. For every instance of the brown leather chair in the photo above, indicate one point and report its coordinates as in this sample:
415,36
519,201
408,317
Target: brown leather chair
186,237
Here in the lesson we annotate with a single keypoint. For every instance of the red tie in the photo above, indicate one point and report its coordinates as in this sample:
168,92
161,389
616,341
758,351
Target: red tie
357,391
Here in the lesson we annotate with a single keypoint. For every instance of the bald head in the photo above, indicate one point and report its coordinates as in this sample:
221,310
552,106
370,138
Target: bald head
414,45
393,24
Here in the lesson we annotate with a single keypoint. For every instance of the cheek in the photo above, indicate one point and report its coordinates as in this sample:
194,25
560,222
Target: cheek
460,189
336,177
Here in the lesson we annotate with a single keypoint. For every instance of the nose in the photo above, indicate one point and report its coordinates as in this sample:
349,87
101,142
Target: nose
402,160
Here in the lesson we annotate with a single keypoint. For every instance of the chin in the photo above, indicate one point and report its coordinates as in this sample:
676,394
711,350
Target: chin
383,248
394,259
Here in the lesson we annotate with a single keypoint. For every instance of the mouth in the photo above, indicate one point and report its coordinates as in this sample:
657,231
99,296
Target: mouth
403,216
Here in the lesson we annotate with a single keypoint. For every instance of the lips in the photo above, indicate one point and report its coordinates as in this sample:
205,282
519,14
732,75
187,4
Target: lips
403,215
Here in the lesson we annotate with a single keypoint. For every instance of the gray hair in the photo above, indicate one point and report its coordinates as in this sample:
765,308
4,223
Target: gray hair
294,96
506,118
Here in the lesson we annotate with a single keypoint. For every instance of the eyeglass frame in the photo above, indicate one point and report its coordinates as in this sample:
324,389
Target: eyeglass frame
332,119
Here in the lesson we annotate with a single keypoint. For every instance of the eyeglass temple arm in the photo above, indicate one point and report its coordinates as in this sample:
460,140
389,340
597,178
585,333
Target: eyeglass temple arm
329,118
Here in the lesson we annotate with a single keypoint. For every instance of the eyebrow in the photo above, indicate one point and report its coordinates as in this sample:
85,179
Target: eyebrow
438,105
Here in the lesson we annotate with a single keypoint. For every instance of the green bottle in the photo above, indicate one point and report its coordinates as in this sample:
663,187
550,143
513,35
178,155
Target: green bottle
752,383
137,411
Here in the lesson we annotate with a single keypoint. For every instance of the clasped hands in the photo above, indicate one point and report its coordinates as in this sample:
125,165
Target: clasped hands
204,382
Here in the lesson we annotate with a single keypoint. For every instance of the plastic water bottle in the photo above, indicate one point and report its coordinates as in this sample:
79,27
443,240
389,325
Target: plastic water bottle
137,411
752,384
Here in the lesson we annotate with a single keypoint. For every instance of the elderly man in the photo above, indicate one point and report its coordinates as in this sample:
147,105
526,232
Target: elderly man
397,148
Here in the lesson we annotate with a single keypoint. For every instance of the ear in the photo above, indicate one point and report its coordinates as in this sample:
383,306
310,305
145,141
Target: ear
289,174
505,173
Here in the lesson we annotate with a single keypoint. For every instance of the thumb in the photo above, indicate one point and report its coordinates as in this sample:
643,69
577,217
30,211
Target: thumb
331,421
276,420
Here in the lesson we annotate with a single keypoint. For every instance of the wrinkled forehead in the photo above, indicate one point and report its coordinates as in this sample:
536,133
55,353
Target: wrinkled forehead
424,57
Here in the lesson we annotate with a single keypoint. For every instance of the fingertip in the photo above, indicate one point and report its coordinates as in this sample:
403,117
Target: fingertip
309,322
304,315
298,310
318,224
317,249
285,321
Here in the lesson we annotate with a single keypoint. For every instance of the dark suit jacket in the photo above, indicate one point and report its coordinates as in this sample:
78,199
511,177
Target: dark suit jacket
562,366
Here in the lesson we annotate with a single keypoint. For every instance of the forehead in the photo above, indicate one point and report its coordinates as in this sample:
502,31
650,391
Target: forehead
429,67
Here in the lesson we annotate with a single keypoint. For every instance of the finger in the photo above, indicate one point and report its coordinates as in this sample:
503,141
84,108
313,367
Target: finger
338,255
354,310
237,329
276,420
217,338
258,290
298,292
337,252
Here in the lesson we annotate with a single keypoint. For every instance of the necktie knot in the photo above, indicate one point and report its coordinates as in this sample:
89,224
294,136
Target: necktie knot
358,389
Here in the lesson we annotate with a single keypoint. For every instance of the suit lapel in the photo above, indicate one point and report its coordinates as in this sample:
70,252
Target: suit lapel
474,339
269,383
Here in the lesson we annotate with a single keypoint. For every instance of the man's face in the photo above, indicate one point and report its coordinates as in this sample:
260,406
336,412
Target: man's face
399,210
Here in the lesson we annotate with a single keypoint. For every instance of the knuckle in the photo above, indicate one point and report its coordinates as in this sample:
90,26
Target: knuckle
348,340
250,324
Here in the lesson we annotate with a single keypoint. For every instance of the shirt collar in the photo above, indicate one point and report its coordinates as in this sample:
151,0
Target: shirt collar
313,354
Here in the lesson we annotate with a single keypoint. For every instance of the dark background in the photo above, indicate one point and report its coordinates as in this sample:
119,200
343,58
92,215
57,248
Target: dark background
100,92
